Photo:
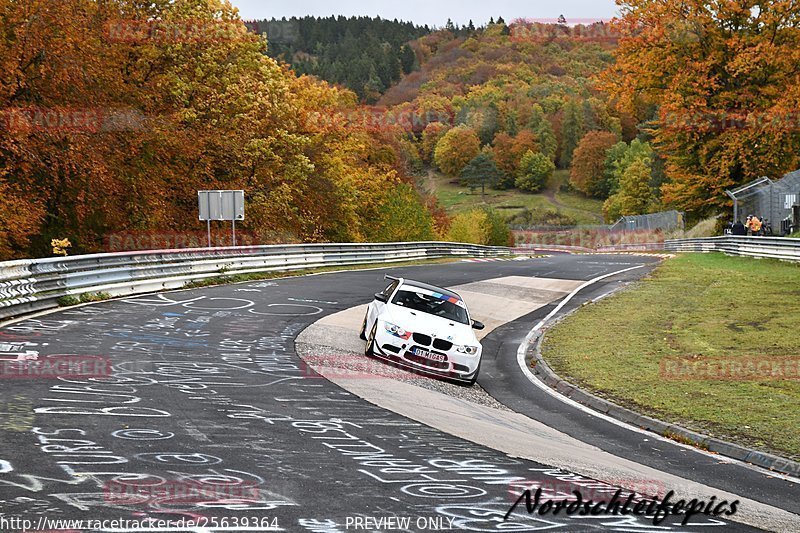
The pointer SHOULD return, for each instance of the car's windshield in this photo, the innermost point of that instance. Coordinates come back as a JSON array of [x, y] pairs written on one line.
[[432, 304]]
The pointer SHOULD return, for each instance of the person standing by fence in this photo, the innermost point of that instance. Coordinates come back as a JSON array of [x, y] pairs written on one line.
[[755, 225]]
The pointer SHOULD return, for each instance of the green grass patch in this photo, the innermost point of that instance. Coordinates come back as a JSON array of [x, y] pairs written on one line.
[[456, 198], [579, 202], [86, 297], [694, 307]]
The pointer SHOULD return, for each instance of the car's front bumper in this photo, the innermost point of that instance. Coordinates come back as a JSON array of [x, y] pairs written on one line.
[[457, 366]]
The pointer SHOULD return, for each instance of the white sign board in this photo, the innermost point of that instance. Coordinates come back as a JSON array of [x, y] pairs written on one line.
[[221, 205]]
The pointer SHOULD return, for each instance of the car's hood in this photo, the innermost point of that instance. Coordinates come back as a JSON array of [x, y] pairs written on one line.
[[438, 327]]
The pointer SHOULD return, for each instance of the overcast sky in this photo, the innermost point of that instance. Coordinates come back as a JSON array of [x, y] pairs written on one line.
[[432, 12]]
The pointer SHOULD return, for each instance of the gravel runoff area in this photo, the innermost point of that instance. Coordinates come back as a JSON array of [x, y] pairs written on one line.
[[349, 363]]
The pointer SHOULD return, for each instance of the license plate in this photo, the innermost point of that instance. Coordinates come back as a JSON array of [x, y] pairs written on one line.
[[428, 355]]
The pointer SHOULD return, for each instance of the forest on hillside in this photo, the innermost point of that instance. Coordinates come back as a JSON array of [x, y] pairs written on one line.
[[114, 115], [365, 54]]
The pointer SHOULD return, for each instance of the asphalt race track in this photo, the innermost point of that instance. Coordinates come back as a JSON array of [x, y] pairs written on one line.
[[207, 389]]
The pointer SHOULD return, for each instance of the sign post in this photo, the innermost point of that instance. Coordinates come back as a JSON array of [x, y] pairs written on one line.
[[221, 205]]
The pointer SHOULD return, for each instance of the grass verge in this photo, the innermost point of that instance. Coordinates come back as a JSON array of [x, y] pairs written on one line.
[[692, 309], [86, 297], [455, 198]]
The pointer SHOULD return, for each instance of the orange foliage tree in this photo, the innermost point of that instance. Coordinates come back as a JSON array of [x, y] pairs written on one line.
[[722, 78], [455, 149], [508, 152], [116, 113], [588, 163]]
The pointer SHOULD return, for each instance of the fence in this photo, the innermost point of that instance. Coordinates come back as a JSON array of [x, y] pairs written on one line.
[[763, 197], [33, 285], [664, 221], [766, 247]]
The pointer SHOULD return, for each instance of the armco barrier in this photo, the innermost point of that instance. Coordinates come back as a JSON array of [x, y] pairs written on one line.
[[32, 285], [766, 247]]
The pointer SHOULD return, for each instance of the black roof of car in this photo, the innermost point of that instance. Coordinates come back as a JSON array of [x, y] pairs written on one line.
[[430, 287]]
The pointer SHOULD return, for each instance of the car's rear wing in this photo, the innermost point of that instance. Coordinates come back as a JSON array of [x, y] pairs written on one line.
[[392, 278]]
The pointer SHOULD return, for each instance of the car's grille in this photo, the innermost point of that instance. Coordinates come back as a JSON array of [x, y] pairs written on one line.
[[390, 348], [422, 340], [460, 368], [427, 362], [443, 345]]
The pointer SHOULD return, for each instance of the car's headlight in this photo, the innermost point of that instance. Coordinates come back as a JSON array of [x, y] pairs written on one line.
[[396, 330], [469, 350]]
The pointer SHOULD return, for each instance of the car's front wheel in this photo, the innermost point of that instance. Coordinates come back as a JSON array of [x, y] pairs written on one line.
[[363, 334], [370, 349], [475, 377]]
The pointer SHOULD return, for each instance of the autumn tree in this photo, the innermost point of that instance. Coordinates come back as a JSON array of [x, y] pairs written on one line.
[[120, 112], [535, 169], [722, 78], [508, 152], [469, 227], [480, 226], [401, 217], [635, 197], [455, 149], [431, 135], [588, 164], [620, 156]]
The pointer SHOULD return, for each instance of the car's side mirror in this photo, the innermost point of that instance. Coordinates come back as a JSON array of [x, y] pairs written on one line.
[[477, 325], [380, 297]]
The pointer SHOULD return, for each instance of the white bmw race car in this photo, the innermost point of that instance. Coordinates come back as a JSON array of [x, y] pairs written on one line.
[[423, 328]]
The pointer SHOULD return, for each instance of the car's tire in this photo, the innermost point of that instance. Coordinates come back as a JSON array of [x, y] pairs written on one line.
[[475, 377], [363, 334], [370, 348]]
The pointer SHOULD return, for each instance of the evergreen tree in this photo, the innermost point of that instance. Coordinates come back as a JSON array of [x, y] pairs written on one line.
[[338, 46], [571, 131], [539, 124], [480, 172], [407, 58]]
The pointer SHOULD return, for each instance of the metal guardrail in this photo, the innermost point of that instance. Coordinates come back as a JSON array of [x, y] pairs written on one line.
[[32, 285], [766, 247]]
